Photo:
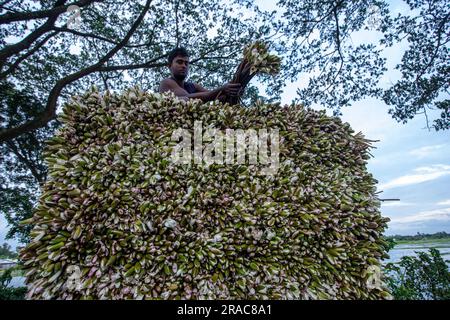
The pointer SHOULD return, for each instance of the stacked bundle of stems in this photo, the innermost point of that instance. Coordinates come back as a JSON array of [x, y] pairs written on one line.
[[256, 60], [119, 219]]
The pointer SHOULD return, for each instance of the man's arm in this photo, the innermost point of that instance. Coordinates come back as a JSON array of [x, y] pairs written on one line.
[[232, 89], [203, 94], [199, 88], [222, 97], [170, 85]]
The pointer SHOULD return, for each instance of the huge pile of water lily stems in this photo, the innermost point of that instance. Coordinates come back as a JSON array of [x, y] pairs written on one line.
[[118, 219]]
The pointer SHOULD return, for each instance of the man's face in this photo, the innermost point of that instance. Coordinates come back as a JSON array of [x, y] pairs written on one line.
[[179, 67]]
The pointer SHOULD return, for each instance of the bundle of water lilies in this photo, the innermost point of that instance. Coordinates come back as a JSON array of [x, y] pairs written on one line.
[[120, 217], [256, 60]]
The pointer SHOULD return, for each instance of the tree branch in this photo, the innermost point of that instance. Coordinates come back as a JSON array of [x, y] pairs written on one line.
[[321, 19], [203, 56], [57, 9], [439, 32], [50, 111], [177, 35], [30, 165], [3, 3], [82, 34], [426, 117], [338, 40], [28, 40], [338, 46], [153, 62], [149, 64], [26, 55]]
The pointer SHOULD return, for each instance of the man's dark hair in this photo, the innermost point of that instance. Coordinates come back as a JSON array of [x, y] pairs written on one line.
[[182, 52]]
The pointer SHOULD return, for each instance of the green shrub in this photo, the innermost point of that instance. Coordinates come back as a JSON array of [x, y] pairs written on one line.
[[8, 293], [425, 277]]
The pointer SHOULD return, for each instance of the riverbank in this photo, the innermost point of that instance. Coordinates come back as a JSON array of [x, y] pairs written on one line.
[[444, 241], [411, 247]]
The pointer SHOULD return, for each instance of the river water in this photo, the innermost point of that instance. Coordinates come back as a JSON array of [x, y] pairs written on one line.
[[17, 282], [401, 250]]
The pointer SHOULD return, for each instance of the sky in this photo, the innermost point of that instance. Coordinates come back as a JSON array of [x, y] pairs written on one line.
[[410, 162]]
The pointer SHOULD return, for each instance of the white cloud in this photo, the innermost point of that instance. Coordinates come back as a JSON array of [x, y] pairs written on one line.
[[426, 151], [439, 215], [397, 204], [444, 203], [422, 174], [433, 168]]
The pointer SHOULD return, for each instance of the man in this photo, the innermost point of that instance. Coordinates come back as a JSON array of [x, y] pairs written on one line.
[[179, 69]]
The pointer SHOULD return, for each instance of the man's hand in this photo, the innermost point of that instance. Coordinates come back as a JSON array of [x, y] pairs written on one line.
[[231, 89]]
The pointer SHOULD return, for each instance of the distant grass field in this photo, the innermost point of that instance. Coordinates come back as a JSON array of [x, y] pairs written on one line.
[[424, 244], [445, 241]]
